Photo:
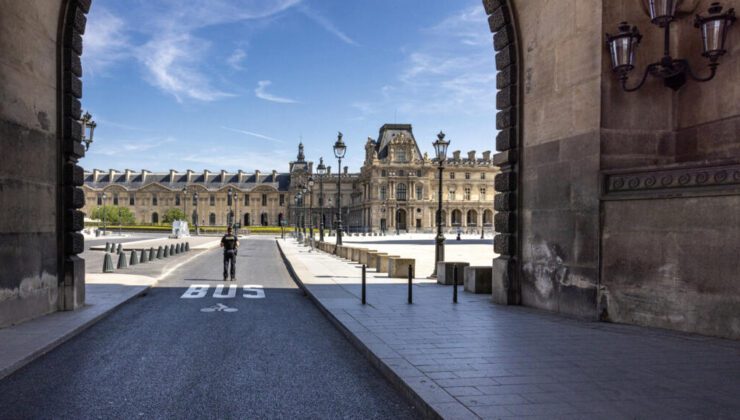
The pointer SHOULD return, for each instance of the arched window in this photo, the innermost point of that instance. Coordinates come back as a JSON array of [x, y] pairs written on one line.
[[456, 217], [154, 200], [487, 217], [401, 192], [212, 219], [155, 218], [472, 218]]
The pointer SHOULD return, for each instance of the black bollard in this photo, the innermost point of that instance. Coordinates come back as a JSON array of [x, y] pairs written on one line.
[[152, 254], [107, 247], [134, 258], [454, 283], [120, 248], [177, 249], [160, 253], [108, 264], [411, 277], [363, 284], [172, 249], [166, 251], [144, 256], [122, 261], [187, 246]]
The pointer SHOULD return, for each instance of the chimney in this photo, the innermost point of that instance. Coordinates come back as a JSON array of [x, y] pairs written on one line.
[[256, 176], [96, 174], [172, 175], [471, 156], [111, 173], [240, 176], [223, 176], [128, 175], [206, 174], [456, 155], [487, 155], [144, 173], [189, 176], [274, 175], [346, 169]]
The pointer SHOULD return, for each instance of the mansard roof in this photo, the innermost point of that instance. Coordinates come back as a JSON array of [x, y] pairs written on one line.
[[390, 131], [178, 180]]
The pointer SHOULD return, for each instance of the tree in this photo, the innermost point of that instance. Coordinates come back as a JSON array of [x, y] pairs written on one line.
[[114, 215], [173, 214]]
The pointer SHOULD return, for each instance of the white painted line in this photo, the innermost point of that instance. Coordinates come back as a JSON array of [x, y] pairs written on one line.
[[253, 291]]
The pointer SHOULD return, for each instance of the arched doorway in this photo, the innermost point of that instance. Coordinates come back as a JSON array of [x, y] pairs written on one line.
[[247, 220], [212, 219], [401, 219], [487, 218], [264, 219], [155, 218]]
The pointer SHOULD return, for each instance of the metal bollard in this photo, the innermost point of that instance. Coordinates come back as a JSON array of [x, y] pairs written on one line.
[[144, 256], [152, 254], [454, 283], [134, 258], [107, 247], [122, 263], [120, 248], [363, 284], [411, 277], [108, 264]]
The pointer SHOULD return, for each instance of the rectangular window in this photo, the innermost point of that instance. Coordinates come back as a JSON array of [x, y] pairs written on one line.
[[467, 194], [177, 199], [418, 172], [482, 175], [115, 199], [401, 172], [195, 200], [154, 200], [419, 191], [482, 194], [467, 175], [282, 200], [383, 192], [451, 196], [212, 200], [131, 200], [100, 200], [383, 173], [452, 175], [264, 200], [401, 155], [246, 199]]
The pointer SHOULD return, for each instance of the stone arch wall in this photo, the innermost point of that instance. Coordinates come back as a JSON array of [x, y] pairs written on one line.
[[506, 267]]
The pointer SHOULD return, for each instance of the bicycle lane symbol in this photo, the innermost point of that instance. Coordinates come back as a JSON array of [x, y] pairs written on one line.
[[219, 307]]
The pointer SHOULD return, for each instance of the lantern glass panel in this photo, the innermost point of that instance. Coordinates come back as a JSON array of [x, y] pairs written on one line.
[[662, 11], [623, 53], [712, 32]]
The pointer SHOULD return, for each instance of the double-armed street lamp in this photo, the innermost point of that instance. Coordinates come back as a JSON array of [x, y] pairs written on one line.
[[321, 170], [304, 191], [185, 203], [440, 148], [88, 129], [310, 207], [197, 228], [298, 203], [104, 212], [339, 150]]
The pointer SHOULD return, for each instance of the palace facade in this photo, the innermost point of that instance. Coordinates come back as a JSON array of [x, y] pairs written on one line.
[[395, 190]]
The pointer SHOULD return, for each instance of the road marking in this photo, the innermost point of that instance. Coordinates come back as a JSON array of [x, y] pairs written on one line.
[[199, 291], [219, 307]]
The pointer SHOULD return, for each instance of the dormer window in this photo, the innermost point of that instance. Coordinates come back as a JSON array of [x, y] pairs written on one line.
[[401, 155]]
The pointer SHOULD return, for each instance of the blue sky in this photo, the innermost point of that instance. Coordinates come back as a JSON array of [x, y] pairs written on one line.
[[234, 84]]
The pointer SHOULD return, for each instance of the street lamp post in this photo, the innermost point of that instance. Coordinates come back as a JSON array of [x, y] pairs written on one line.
[[104, 213], [321, 170], [298, 203], [197, 228], [339, 150], [231, 207], [310, 207], [440, 148], [185, 203], [234, 221]]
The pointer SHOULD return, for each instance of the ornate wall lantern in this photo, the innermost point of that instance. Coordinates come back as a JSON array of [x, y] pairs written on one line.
[[673, 71]]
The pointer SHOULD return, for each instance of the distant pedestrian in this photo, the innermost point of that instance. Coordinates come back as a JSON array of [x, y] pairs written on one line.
[[230, 244]]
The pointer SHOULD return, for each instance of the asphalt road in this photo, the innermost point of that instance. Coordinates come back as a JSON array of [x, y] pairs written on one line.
[[161, 356]]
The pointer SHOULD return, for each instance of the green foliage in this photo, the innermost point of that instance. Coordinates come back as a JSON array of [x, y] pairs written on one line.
[[173, 214], [114, 215]]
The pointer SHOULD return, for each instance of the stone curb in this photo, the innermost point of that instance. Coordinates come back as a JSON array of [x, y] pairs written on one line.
[[405, 389]]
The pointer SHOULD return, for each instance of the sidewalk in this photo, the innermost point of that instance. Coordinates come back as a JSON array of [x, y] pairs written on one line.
[[480, 360], [21, 344]]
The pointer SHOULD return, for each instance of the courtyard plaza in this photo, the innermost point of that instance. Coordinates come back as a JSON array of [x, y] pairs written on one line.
[[475, 359]]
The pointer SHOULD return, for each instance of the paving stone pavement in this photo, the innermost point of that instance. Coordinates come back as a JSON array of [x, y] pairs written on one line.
[[475, 359]]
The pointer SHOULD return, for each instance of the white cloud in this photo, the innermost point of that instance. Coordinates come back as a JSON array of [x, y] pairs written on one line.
[[236, 59], [327, 25], [105, 41], [253, 134], [261, 92], [230, 160], [171, 60]]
